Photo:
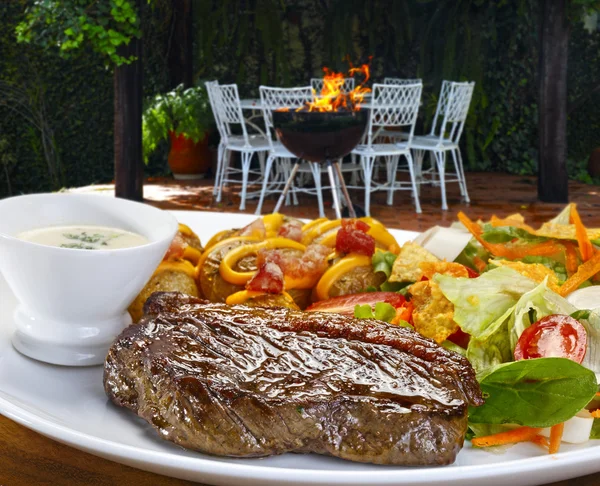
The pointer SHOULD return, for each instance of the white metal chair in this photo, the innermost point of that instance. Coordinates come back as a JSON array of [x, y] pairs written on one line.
[[401, 81], [398, 106], [446, 130], [229, 113], [291, 98], [318, 83]]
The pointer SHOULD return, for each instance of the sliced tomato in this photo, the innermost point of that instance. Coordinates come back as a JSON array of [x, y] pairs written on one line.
[[557, 335], [344, 304]]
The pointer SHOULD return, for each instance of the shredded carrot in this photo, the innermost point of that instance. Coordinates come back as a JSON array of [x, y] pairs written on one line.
[[571, 260], [521, 434], [585, 245], [512, 252], [556, 433], [595, 413], [479, 263], [541, 441], [585, 271]]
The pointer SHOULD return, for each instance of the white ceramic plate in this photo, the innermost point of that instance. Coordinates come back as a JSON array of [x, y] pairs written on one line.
[[69, 405]]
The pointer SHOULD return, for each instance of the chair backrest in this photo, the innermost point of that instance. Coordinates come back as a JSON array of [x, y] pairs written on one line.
[[318, 83], [212, 95], [401, 81], [452, 110], [394, 105], [275, 98], [227, 99]]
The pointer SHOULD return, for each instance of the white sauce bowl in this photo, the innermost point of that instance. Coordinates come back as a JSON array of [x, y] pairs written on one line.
[[73, 303]]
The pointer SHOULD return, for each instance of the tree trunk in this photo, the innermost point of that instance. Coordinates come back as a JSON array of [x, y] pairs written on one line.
[[553, 180], [180, 54], [129, 164]]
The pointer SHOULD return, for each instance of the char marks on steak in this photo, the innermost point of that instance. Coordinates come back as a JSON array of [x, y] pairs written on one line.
[[250, 382]]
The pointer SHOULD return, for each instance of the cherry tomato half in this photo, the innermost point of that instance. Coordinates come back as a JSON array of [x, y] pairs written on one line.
[[558, 336], [344, 304]]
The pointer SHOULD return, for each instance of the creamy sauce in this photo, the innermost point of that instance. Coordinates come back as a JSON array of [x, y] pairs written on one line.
[[84, 237]]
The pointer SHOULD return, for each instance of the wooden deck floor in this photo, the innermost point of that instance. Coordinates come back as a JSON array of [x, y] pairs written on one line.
[[491, 193]]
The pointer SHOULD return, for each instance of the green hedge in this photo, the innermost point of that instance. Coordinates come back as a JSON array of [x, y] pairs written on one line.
[[286, 43]]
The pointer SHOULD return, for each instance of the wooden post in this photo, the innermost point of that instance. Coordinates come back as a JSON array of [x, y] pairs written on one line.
[[553, 180], [129, 164], [181, 51]]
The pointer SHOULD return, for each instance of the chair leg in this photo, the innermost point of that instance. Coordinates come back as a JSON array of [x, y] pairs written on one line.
[[220, 152], [413, 180], [246, 158], [461, 185], [367, 163], [265, 183], [316, 172], [462, 175], [440, 158], [261, 162], [223, 172], [392, 168]]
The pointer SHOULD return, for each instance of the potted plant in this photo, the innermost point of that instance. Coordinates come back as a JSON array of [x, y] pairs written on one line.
[[185, 117]]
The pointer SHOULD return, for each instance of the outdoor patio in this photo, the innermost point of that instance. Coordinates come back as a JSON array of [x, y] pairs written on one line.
[[518, 195]]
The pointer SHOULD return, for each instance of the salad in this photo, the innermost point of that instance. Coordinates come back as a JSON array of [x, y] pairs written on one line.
[[522, 304]]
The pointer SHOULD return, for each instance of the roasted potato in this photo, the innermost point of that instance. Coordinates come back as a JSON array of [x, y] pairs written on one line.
[[163, 281]]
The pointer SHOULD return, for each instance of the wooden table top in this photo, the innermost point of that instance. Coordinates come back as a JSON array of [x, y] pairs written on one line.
[[30, 459]]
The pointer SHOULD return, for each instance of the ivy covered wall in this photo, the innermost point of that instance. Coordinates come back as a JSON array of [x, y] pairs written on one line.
[[69, 140]]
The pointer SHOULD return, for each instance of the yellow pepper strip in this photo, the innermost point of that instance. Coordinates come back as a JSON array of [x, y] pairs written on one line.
[[334, 272], [231, 258], [312, 224], [192, 254], [183, 266], [220, 244], [272, 224], [315, 232], [184, 229], [306, 282], [215, 239], [243, 296]]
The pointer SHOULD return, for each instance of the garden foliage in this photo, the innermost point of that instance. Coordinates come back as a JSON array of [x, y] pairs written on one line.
[[56, 130]]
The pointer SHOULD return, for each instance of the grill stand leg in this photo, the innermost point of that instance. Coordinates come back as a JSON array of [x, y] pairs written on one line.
[[286, 189], [349, 204], [334, 193]]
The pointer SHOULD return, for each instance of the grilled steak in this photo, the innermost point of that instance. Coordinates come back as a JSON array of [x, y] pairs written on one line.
[[250, 382]]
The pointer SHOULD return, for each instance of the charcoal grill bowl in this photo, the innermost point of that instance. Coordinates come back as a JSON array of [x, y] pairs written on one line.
[[319, 136]]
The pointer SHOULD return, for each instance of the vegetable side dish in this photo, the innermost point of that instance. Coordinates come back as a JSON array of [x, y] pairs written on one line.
[[522, 305]]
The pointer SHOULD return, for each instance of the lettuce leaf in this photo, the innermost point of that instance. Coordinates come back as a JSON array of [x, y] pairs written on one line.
[[493, 347], [504, 234], [480, 302], [532, 306]]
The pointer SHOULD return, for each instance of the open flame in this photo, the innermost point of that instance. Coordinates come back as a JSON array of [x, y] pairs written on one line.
[[333, 97]]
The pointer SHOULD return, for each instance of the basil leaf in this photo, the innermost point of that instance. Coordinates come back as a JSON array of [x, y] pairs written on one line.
[[535, 392], [383, 261], [581, 314]]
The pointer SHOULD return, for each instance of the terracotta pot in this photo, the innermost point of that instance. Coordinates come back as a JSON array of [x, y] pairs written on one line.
[[188, 160]]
